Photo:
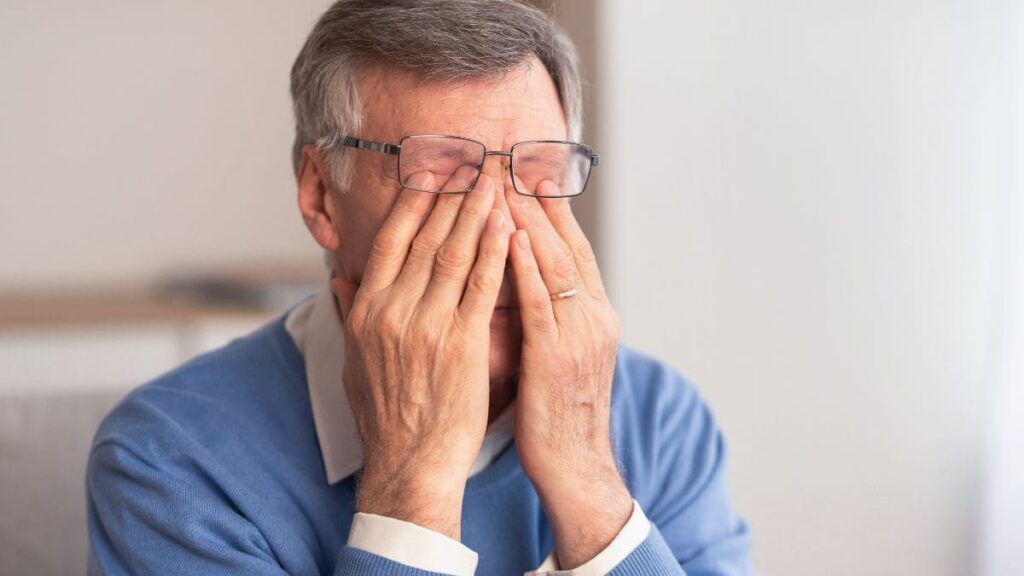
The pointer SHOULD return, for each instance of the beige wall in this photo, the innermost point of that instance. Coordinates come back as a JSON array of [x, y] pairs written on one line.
[[139, 137]]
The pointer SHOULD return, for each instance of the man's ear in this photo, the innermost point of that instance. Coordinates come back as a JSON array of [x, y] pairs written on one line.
[[317, 202]]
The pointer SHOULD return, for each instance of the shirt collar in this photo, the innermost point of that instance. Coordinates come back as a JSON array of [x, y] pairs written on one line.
[[315, 326]]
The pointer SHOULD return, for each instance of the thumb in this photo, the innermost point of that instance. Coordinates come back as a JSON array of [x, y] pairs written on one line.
[[345, 291]]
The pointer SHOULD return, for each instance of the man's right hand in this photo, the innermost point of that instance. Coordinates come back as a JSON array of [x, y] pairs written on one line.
[[417, 348]]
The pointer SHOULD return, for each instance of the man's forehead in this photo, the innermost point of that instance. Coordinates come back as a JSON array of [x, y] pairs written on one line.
[[521, 103]]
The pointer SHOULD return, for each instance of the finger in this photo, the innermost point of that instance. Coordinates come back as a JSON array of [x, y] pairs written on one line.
[[535, 309], [391, 244], [456, 255], [345, 292], [485, 280], [555, 261], [418, 266], [564, 221]]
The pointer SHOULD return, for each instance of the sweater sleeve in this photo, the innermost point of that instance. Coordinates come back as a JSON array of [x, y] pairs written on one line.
[[676, 455], [146, 520], [700, 534], [691, 514]]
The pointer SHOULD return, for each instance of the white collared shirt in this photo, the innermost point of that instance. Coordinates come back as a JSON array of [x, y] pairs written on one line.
[[316, 329]]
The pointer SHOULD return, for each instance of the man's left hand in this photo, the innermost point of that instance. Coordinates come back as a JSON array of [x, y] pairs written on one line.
[[563, 405]]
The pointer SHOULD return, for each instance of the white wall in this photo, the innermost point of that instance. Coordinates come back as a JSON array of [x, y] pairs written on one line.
[[137, 136], [803, 211], [1002, 530]]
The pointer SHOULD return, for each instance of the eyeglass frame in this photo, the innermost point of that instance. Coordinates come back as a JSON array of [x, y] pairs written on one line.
[[396, 150]]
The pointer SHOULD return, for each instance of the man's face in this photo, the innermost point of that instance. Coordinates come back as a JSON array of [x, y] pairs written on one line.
[[499, 111]]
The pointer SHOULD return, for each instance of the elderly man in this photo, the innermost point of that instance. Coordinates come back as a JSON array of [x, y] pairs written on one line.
[[456, 400]]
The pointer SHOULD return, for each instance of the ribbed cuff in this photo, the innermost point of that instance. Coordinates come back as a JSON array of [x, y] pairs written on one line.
[[652, 557], [355, 561]]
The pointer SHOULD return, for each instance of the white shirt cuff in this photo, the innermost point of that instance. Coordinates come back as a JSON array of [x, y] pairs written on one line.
[[411, 544], [628, 539]]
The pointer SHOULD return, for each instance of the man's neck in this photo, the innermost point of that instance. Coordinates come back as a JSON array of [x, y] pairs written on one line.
[[503, 393]]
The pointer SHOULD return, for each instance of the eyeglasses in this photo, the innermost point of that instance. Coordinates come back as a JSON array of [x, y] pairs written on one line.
[[452, 164]]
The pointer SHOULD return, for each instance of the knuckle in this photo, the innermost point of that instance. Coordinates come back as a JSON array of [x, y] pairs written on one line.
[[585, 252], [564, 266], [423, 246], [451, 257], [458, 341], [385, 244], [448, 201], [461, 326], [538, 301], [421, 337], [389, 326], [408, 209], [483, 283], [472, 210]]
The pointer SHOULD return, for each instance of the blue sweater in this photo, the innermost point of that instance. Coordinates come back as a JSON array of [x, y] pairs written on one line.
[[215, 468]]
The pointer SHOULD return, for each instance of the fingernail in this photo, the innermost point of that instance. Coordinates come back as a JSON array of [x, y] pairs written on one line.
[[497, 219], [524, 240], [420, 180]]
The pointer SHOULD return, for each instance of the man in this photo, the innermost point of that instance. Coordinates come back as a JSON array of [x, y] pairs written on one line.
[[456, 400]]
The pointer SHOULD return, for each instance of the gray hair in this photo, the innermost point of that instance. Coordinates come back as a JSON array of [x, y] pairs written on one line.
[[446, 40]]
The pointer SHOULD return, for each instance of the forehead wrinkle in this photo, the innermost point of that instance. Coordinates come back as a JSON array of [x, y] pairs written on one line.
[[498, 126], [491, 109]]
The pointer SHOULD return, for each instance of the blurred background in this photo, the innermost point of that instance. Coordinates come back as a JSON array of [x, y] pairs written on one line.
[[813, 209]]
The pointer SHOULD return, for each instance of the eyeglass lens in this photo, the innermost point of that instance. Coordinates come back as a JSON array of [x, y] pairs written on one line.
[[444, 164]]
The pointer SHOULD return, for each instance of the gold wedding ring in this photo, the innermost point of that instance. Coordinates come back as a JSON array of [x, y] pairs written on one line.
[[563, 295]]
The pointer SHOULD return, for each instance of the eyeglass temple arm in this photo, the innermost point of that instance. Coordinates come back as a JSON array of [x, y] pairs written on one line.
[[370, 145], [331, 141]]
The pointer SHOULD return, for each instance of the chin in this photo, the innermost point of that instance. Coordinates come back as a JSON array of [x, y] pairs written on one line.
[[506, 349]]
